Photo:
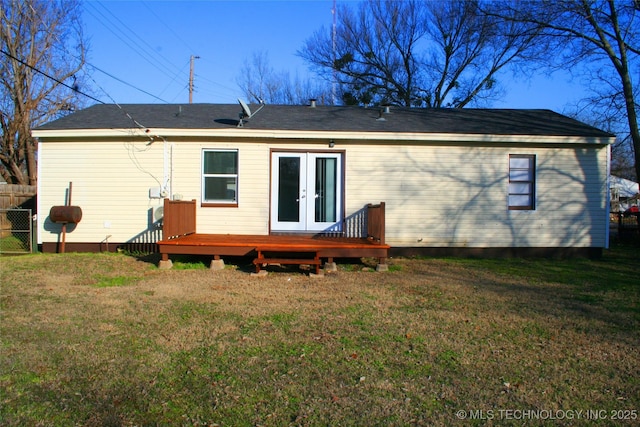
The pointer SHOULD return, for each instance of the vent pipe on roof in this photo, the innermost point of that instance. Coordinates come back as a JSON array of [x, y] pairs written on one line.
[[386, 109], [313, 103]]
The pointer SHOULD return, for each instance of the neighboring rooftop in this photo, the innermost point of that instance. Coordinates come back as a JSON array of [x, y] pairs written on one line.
[[327, 118]]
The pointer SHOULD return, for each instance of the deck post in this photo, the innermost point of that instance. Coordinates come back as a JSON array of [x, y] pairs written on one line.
[[375, 222], [376, 229], [165, 264], [217, 263], [382, 265], [179, 218], [330, 266]]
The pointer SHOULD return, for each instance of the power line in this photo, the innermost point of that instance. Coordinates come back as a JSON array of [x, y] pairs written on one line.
[[206, 91], [67, 52], [125, 83], [168, 27], [118, 105], [73, 88], [176, 35], [135, 42], [126, 39], [216, 83], [174, 78], [134, 46], [184, 88], [138, 45]]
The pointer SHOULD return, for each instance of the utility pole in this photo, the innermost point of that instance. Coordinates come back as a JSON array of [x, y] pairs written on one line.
[[191, 78]]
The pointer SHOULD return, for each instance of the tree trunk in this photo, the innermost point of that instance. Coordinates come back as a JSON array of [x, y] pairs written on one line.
[[633, 122]]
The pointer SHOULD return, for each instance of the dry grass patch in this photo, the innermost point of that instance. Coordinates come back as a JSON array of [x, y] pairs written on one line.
[[110, 340]]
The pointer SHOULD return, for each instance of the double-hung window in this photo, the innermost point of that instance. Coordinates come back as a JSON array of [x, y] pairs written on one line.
[[219, 177], [522, 173]]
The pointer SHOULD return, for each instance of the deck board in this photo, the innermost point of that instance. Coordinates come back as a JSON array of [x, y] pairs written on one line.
[[245, 245]]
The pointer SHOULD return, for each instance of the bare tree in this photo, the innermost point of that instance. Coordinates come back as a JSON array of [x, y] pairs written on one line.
[[42, 48], [418, 53], [261, 82], [373, 54], [599, 40], [471, 48]]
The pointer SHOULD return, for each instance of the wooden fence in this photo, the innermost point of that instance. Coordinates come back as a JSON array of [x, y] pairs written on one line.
[[13, 195], [626, 227]]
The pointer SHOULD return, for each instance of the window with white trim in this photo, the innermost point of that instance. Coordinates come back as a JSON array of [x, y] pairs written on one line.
[[522, 185], [219, 177]]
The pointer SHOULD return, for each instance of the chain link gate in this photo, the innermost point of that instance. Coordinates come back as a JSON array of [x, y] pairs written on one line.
[[16, 231]]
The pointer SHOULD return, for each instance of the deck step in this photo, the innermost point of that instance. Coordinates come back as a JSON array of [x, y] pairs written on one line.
[[262, 259], [287, 261]]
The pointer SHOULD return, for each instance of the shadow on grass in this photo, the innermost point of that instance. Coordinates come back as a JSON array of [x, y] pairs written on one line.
[[606, 290]]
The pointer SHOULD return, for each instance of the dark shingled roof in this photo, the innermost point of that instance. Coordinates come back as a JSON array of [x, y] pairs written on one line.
[[327, 118]]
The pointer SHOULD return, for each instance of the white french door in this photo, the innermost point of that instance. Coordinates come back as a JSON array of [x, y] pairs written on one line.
[[306, 191]]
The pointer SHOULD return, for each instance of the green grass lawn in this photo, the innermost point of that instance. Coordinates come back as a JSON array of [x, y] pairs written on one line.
[[12, 244], [109, 340]]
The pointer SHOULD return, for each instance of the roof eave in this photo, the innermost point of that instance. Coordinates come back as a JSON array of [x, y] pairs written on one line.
[[44, 134]]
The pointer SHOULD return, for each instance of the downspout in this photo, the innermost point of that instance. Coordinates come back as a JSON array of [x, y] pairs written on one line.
[[171, 169], [166, 174], [165, 189], [38, 239], [608, 199]]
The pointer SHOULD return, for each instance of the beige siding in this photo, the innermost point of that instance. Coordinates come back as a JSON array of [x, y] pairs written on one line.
[[111, 184], [457, 196], [252, 214], [436, 196]]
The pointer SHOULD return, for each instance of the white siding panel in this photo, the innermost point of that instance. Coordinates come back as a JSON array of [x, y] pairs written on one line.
[[252, 213], [436, 196], [457, 196], [110, 182]]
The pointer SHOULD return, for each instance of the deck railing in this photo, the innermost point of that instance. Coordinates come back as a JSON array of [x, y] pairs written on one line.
[[179, 218], [375, 222]]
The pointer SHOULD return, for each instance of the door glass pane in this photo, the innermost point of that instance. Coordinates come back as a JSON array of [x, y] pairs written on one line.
[[325, 197], [289, 189]]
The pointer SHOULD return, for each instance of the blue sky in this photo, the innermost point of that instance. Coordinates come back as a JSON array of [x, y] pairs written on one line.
[[148, 45]]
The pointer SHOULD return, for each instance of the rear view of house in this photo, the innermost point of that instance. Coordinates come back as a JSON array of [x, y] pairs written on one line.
[[463, 181]]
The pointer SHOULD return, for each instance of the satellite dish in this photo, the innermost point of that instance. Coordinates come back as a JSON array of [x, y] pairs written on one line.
[[246, 111], [245, 108], [158, 214]]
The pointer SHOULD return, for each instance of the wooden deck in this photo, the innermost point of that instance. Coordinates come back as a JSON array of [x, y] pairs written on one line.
[[179, 237], [248, 245], [274, 249]]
